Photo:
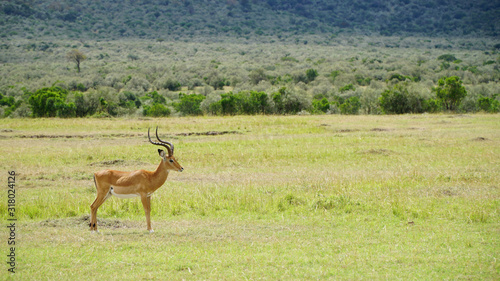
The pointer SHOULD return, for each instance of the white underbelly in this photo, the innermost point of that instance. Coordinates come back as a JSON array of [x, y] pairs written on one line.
[[123, 196]]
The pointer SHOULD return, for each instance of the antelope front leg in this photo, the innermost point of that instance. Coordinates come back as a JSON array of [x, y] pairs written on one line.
[[101, 197], [146, 203]]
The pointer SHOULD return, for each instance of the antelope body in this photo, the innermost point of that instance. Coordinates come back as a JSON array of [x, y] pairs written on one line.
[[140, 183]]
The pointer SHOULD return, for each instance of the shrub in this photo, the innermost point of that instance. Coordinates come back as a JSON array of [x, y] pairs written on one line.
[[157, 98], [287, 102], [228, 104], [129, 100], [156, 110], [487, 104], [311, 74], [348, 87], [257, 75], [66, 110], [399, 101], [321, 105], [171, 84], [50, 102], [253, 102], [450, 91], [10, 103], [432, 105], [106, 108], [334, 74], [362, 81], [189, 104], [350, 106], [447, 57], [400, 77]]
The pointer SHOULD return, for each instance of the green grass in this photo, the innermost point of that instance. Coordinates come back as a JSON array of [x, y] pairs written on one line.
[[287, 197]]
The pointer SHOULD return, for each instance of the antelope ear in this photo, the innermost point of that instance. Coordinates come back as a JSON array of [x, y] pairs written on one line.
[[162, 153]]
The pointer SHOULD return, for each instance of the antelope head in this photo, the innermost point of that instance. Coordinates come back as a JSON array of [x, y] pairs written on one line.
[[168, 160]]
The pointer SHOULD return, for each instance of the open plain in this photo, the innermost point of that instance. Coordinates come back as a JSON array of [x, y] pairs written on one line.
[[261, 197]]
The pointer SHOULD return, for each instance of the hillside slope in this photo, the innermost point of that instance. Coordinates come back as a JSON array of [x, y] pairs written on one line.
[[188, 19]]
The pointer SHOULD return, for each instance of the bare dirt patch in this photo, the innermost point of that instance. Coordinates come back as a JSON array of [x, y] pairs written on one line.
[[209, 133], [379, 151], [380, 130], [43, 136], [347, 130], [84, 221]]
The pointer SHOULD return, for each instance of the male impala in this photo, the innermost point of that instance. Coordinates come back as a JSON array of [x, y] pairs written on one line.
[[132, 184]]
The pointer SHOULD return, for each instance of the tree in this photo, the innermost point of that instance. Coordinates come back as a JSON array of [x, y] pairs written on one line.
[[348, 87], [489, 104], [257, 75], [311, 74], [350, 106], [77, 57], [321, 105], [156, 110], [50, 102], [189, 104], [399, 101], [157, 98], [450, 91], [447, 57]]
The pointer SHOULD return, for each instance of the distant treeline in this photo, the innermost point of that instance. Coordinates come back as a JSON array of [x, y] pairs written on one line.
[[57, 101], [181, 19]]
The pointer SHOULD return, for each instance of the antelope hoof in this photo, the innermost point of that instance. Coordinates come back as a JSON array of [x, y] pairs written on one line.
[[151, 231]]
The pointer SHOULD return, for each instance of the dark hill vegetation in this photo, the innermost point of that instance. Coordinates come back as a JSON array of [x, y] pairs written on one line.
[[184, 19], [76, 58]]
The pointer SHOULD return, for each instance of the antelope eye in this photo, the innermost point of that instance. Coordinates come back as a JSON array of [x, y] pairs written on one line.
[[171, 160]]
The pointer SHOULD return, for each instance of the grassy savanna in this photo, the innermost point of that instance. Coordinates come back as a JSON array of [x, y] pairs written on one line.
[[268, 197]]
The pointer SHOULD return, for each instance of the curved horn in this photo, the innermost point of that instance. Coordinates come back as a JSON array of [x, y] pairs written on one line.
[[165, 142], [170, 151]]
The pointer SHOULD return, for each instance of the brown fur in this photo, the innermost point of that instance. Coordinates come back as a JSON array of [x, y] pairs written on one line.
[[140, 182]]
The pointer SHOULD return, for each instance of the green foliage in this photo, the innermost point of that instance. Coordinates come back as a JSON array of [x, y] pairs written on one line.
[[447, 57], [362, 81], [334, 74], [129, 100], [261, 82], [156, 110], [450, 91], [171, 84], [348, 87], [66, 110], [106, 108], [399, 101], [350, 106], [242, 103], [321, 105], [253, 103], [9, 104], [287, 102], [229, 104], [488, 104], [249, 19], [189, 104], [311, 74], [257, 75], [50, 102], [400, 77], [157, 98], [432, 105]]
